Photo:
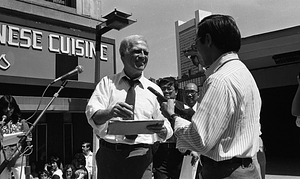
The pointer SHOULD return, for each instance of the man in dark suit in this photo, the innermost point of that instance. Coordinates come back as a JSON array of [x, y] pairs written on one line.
[[168, 159]]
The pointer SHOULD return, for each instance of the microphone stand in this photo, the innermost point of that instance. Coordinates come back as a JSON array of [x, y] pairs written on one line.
[[23, 138]]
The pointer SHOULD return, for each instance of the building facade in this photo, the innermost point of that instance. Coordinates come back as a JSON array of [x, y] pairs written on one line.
[[41, 40], [185, 36]]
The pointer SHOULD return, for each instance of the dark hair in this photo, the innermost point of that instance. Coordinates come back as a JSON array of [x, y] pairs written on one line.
[[223, 30], [55, 159], [79, 159], [66, 168], [87, 144], [44, 172], [9, 101], [168, 81]]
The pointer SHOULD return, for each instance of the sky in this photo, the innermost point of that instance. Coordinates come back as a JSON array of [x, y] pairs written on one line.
[[156, 21]]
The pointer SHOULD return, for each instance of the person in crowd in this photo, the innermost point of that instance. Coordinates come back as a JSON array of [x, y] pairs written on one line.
[[125, 96], [86, 150], [69, 172], [167, 160], [225, 127], [191, 96], [44, 174], [12, 123], [79, 164], [192, 99], [56, 172]]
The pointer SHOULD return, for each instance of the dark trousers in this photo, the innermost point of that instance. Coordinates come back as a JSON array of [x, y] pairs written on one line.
[[133, 163], [229, 169], [167, 162]]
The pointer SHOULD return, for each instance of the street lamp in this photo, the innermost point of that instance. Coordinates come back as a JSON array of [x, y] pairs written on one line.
[[115, 20]]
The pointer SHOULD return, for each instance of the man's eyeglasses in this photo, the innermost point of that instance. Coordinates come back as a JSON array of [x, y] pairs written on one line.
[[196, 40], [167, 89], [192, 92]]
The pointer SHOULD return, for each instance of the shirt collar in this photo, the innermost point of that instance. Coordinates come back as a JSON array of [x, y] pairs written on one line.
[[220, 61], [140, 78]]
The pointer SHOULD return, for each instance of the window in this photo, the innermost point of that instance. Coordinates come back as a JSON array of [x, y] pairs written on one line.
[[69, 3]]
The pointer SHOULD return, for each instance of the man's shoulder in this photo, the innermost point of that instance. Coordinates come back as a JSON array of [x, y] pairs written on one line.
[[113, 78]]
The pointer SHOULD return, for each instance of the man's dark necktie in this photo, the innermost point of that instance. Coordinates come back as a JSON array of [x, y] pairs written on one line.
[[130, 99]]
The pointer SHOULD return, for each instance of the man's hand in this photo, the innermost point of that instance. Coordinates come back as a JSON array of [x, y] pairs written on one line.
[[122, 110], [159, 129], [167, 108], [195, 157]]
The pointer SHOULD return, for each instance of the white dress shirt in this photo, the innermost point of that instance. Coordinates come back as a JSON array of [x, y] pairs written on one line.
[[89, 163], [113, 89]]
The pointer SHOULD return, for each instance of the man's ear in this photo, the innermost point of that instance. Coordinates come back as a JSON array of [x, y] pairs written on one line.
[[122, 57], [208, 39]]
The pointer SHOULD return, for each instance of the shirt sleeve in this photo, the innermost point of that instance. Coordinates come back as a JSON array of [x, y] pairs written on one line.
[[209, 122], [99, 100], [167, 124], [158, 115]]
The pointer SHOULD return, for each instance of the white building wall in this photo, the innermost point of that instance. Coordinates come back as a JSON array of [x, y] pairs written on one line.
[[87, 12], [185, 36]]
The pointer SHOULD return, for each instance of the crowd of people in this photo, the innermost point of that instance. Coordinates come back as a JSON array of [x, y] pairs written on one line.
[[79, 168]]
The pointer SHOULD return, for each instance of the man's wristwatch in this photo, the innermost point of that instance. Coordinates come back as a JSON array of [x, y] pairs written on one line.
[[173, 116]]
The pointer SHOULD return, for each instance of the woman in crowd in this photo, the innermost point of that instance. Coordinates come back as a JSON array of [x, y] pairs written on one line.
[[69, 172], [55, 170], [44, 175], [12, 123], [79, 164]]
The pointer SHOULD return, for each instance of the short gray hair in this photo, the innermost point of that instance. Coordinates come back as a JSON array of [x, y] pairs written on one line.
[[126, 43]]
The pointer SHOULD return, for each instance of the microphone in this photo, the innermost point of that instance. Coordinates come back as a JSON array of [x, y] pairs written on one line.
[[78, 69], [186, 113], [157, 94], [4, 117]]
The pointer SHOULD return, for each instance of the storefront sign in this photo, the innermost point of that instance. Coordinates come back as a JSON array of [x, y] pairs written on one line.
[[32, 39], [33, 52]]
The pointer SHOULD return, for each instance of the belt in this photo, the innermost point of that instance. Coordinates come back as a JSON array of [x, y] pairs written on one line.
[[120, 146], [168, 145], [245, 162]]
